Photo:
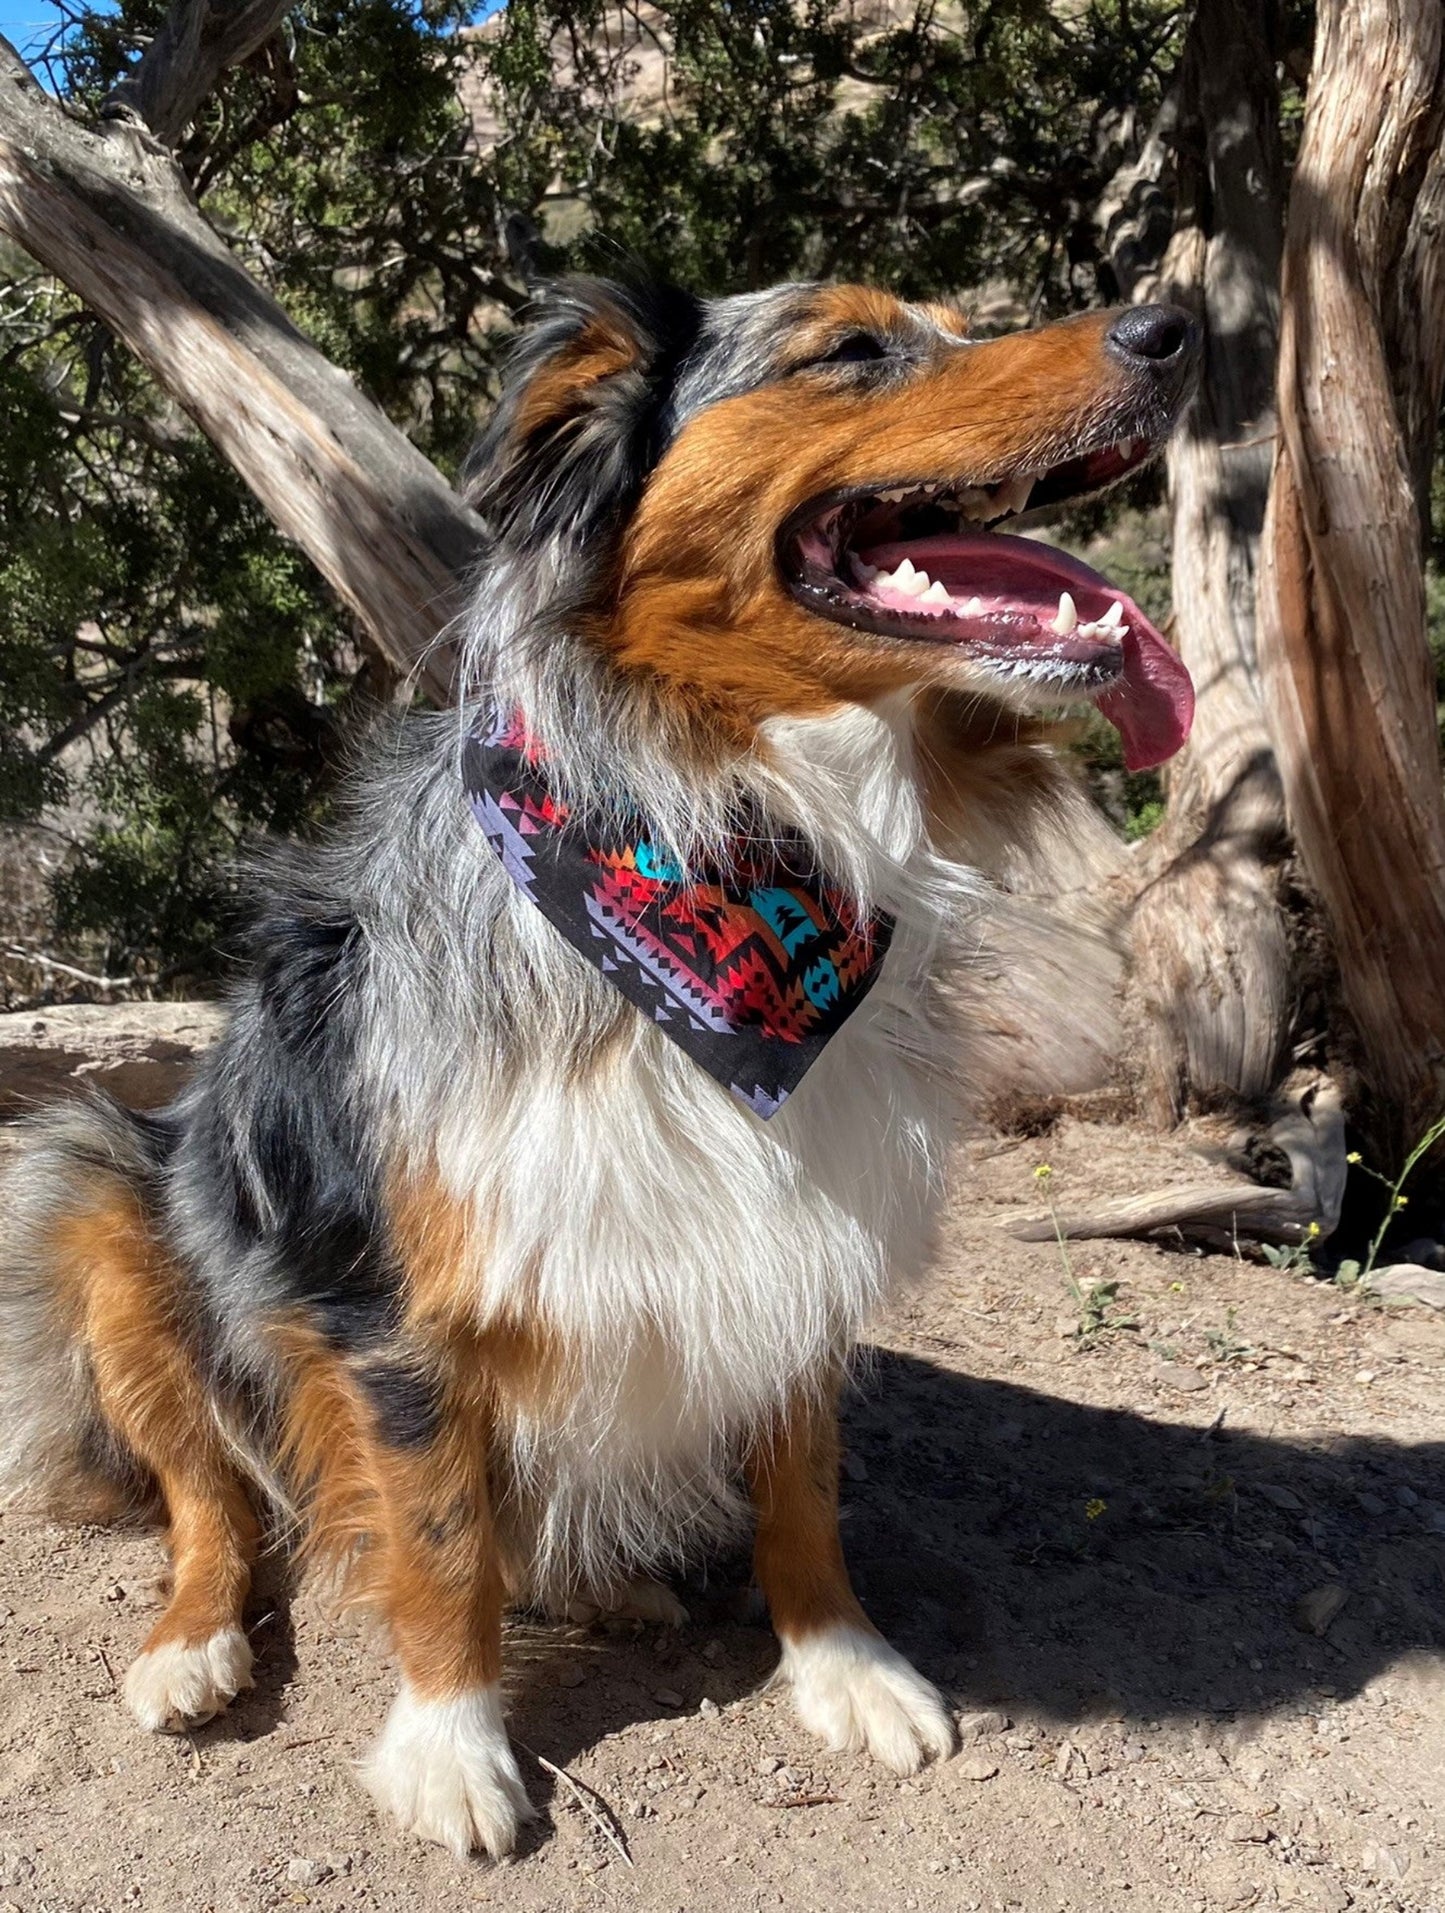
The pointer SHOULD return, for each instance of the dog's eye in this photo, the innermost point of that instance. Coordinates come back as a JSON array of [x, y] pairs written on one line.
[[857, 348]]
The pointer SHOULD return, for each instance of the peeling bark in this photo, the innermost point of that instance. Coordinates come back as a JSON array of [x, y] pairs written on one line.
[[1349, 686], [1211, 949]]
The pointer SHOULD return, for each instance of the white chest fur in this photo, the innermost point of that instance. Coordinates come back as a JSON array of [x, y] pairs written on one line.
[[698, 1264]]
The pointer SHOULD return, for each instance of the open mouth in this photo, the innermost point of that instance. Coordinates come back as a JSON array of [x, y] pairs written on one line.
[[923, 561]]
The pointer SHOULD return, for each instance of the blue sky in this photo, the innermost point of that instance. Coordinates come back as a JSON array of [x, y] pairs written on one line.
[[27, 24]]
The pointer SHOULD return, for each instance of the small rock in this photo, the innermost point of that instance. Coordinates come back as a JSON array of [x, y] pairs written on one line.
[[713, 1653], [115, 1592], [769, 1764], [854, 1467], [708, 1709], [303, 1871], [1407, 1497], [667, 1697], [1186, 1380], [1408, 1282], [982, 1725], [1279, 1497], [1317, 1609], [1372, 1504], [569, 1674], [1069, 1763], [1243, 1828], [1386, 1863], [976, 1768]]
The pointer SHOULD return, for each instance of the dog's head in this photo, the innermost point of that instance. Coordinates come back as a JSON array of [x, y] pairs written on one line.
[[780, 501]]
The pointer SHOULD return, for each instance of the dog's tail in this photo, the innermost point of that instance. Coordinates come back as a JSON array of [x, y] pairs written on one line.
[[80, 1165]]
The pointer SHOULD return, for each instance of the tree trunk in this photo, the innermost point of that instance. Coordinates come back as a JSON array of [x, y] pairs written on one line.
[[1350, 694], [107, 210], [1211, 950]]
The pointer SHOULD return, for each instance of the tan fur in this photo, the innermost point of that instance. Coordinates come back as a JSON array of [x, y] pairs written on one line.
[[149, 1391], [409, 1529], [797, 1555], [982, 774]]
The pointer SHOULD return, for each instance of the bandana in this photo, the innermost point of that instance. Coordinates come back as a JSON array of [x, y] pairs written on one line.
[[750, 964]]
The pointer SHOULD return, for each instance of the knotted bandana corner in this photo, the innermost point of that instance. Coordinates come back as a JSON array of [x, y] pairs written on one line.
[[751, 964]]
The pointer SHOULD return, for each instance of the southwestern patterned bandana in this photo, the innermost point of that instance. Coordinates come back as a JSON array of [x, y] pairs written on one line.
[[750, 966]]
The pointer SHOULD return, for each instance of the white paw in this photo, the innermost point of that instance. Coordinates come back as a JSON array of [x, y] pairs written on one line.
[[857, 1693], [444, 1768], [175, 1686]]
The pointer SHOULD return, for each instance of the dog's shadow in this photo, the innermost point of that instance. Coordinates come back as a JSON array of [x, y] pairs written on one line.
[[1068, 1562], [1038, 1555]]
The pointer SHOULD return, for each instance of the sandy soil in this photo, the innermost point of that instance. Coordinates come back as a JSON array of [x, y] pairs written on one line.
[[1099, 1547]]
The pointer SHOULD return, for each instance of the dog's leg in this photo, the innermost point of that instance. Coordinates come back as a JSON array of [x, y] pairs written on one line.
[[443, 1764], [149, 1392], [850, 1687]]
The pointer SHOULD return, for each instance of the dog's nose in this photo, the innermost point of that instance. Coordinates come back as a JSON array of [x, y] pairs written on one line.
[[1161, 338]]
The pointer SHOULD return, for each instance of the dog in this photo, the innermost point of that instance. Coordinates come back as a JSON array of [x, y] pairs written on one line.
[[592, 1084]]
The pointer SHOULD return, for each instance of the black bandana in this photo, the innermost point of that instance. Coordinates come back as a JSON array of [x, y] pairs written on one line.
[[750, 965]]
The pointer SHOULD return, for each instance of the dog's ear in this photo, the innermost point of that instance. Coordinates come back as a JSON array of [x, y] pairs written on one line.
[[582, 414]]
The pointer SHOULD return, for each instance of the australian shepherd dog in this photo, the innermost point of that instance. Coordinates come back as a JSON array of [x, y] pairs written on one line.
[[592, 1084]]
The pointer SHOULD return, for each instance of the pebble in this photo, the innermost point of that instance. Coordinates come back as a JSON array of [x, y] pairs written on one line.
[[115, 1592], [976, 1768], [854, 1467], [1407, 1497], [769, 1764], [303, 1871], [1317, 1609], [1279, 1497], [569, 1674], [1372, 1504], [1386, 1863], [982, 1725], [713, 1653], [708, 1709], [1186, 1380], [667, 1697], [1243, 1829]]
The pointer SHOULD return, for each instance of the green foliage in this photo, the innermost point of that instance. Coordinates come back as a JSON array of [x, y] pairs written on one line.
[[173, 675]]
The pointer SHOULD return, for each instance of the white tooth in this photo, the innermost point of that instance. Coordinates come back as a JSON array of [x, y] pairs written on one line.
[[882, 578], [915, 585], [974, 607], [937, 593], [1068, 615], [1087, 630], [1014, 495], [1114, 615]]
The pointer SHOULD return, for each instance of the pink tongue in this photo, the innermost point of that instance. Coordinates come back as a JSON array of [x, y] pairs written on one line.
[[1152, 708], [1019, 581]]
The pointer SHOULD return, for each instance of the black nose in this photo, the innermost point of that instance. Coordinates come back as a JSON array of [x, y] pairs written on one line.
[[1163, 336]]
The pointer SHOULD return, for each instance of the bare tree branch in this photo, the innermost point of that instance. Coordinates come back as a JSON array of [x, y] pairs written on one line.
[[106, 210], [178, 70]]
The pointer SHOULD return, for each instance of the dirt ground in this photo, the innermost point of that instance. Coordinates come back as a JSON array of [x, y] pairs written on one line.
[[1116, 1554]]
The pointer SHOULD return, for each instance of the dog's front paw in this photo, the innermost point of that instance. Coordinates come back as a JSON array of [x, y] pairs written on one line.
[[179, 1684], [445, 1769], [856, 1693]]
